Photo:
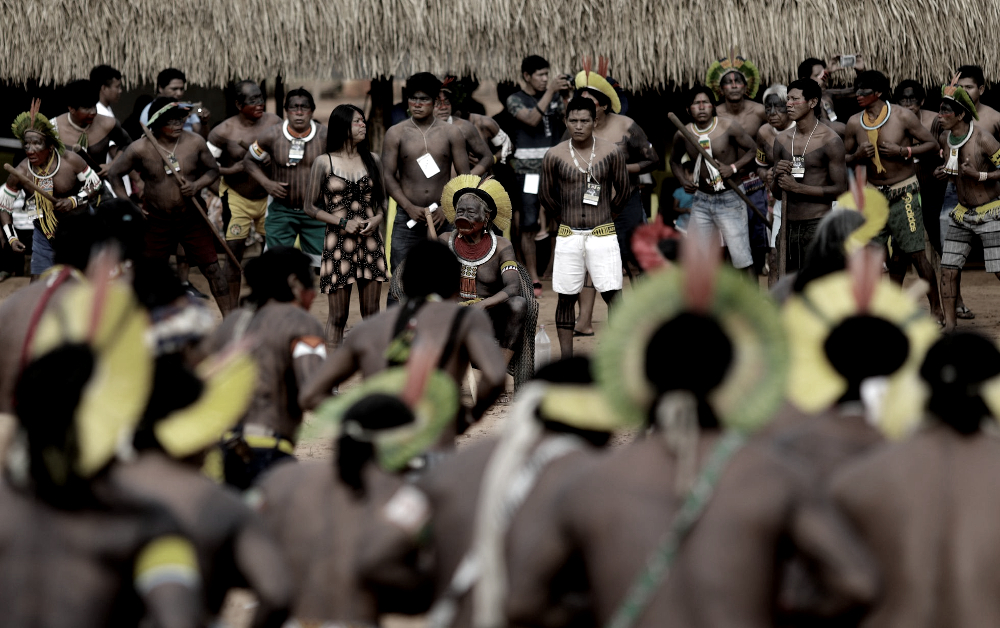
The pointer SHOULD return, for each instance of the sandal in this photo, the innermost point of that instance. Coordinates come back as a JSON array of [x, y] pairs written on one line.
[[538, 289], [964, 313]]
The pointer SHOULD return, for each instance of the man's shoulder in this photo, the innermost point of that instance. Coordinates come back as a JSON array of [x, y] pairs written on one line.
[[190, 136], [74, 161]]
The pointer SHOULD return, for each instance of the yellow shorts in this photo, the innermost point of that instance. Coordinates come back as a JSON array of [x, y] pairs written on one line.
[[244, 213]]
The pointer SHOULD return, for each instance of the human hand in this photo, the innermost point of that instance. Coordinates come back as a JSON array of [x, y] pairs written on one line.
[[940, 173], [187, 188], [788, 183], [64, 205], [558, 84], [867, 150], [276, 189], [372, 225], [888, 148], [353, 226], [966, 170], [204, 113], [439, 220], [17, 246], [782, 167]]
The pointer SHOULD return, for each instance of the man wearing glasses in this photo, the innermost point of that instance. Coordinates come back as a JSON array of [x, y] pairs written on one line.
[[885, 139], [280, 161], [243, 195], [809, 168], [417, 157]]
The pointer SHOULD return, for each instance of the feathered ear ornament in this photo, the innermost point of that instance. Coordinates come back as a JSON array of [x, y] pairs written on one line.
[[701, 258], [36, 104]]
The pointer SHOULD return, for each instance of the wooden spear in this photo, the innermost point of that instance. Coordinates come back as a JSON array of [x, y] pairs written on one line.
[[28, 184]]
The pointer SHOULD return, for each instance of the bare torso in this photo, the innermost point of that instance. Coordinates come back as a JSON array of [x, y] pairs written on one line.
[[438, 140], [977, 151], [101, 132], [233, 136], [822, 153], [563, 184], [901, 128], [750, 115], [162, 194]]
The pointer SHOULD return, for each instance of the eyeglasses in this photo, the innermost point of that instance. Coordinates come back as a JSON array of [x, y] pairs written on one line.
[[423, 100], [298, 108]]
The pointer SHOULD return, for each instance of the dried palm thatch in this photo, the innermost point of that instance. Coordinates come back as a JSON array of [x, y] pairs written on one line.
[[651, 42]]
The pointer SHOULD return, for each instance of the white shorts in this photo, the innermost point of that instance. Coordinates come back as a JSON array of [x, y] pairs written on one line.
[[580, 253]]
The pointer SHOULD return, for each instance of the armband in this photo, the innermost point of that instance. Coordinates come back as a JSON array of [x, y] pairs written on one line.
[[7, 199], [91, 180], [166, 560], [995, 158], [509, 265], [499, 138], [215, 150], [761, 159], [308, 345], [76, 203], [255, 151], [10, 232]]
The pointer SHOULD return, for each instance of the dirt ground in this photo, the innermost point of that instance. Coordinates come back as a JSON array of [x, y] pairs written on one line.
[[979, 290]]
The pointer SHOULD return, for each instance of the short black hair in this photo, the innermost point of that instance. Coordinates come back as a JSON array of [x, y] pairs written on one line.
[[918, 90], [532, 64], [159, 103], [301, 92], [170, 74], [874, 80], [238, 89], [102, 75], [423, 82], [810, 88], [954, 367], [699, 89], [267, 274], [806, 67], [431, 268], [957, 107], [82, 94], [579, 103], [973, 72]]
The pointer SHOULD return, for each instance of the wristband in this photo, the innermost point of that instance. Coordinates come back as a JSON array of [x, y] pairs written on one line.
[[909, 152], [733, 166], [343, 223], [73, 200], [983, 176]]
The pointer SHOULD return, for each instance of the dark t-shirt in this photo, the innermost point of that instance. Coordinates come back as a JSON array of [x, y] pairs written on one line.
[[533, 141]]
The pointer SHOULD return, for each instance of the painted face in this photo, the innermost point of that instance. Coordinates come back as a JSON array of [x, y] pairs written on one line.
[[969, 85], [36, 149], [82, 116], [421, 105], [701, 109], [909, 100], [442, 108], [866, 96], [299, 113], [471, 215], [359, 128], [776, 111], [948, 117], [251, 102], [819, 75], [112, 93], [797, 105], [174, 89], [539, 81], [580, 124], [734, 86], [172, 128], [589, 95]]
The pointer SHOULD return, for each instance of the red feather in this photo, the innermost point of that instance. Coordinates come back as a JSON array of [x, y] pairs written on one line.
[[36, 104], [865, 266], [588, 63], [602, 67]]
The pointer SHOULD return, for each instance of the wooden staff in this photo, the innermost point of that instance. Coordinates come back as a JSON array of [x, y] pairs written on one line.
[[28, 184], [431, 231], [179, 180], [782, 243], [690, 137]]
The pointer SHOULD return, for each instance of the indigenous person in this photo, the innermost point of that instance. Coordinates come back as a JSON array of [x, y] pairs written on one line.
[[663, 526], [489, 277], [418, 155], [73, 551], [347, 192], [289, 349], [825, 254], [479, 150], [186, 415], [817, 70], [734, 81], [109, 81], [171, 83], [65, 176], [82, 127], [812, 179], [170, 217], [885, 139], [911, 94], [428, 320], [934, 484], [241, 193], [538, 110], [970, 78], [320, 515], [973, 156], [610, 125], [450, 107], [280, 161], [714, 205], [776, 109], [584, 188], [471, 511]]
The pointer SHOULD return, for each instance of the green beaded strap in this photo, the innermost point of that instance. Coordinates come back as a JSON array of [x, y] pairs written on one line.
[[659, 563]]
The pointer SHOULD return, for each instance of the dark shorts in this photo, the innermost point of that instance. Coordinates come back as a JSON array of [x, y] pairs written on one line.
[[284, 223], [243, 464], [529, 207], [906, 220], [800, 235], [507, 331], [187, 228], [631, 217]]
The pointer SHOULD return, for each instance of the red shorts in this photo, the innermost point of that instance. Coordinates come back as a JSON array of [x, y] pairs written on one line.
[[186, 228]]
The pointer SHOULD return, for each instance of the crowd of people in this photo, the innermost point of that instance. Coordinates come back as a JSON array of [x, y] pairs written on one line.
[[773, 437]]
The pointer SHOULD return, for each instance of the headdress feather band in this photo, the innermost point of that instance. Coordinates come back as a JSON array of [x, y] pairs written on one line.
[[953, 91], [733, 63], [32, 120], [488, 189], [588, 79]]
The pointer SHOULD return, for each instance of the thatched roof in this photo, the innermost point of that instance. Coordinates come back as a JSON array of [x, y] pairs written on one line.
[[650, 42]]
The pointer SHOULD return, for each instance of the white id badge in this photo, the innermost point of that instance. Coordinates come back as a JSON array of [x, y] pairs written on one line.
[[592, 194], [531, 182], [296, 152], [428, 165]]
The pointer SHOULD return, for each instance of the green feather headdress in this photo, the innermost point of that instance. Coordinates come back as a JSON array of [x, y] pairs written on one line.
[[952, 91], [733, 63], [31, 120]]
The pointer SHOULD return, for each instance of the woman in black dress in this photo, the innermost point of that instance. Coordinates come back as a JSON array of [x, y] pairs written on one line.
[[348, 194]]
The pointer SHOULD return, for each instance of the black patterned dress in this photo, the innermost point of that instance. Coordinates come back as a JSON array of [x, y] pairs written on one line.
[[349, 257]]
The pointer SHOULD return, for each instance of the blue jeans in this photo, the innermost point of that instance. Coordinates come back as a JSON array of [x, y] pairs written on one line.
[[42, 255], [725, 212]]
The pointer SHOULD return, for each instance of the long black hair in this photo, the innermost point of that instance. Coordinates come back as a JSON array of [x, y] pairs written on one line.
[[375, 412], [339, 130]]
